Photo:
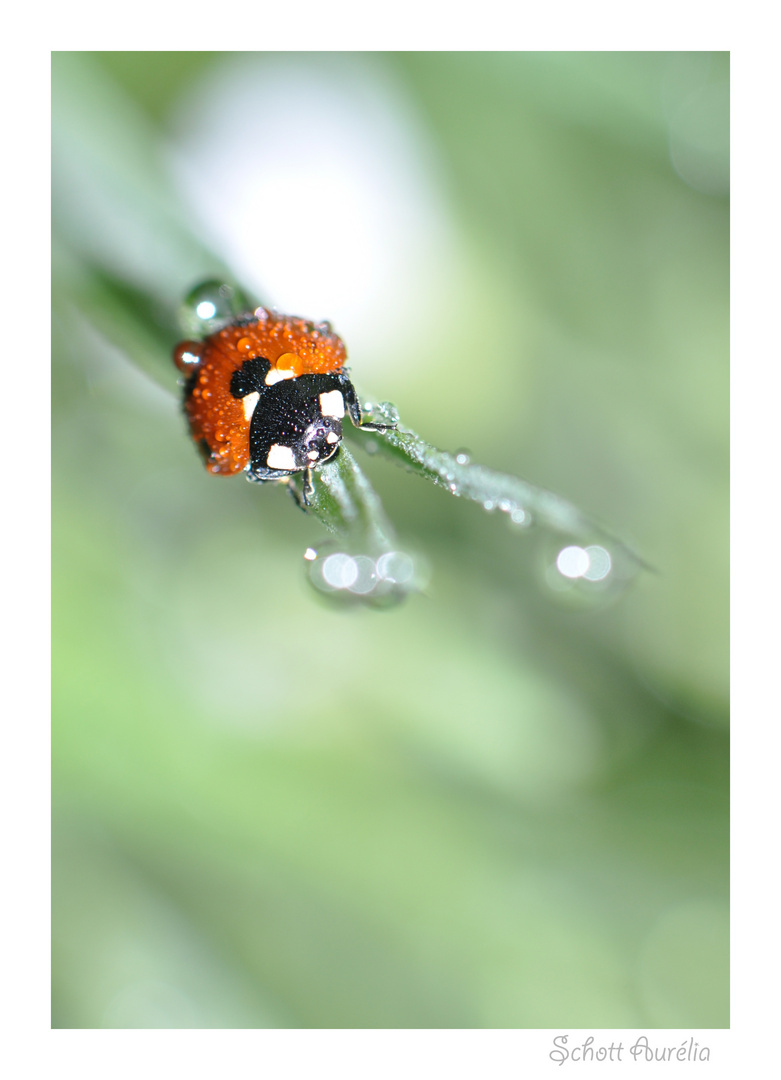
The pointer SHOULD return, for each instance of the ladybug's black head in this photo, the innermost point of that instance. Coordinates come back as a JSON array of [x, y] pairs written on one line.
[[321, 439]]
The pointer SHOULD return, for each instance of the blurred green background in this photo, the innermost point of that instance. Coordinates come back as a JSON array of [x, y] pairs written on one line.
[[486, 807]]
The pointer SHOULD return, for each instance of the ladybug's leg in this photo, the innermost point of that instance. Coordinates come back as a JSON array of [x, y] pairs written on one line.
[[309, 488], [296, 496], [354, 406]]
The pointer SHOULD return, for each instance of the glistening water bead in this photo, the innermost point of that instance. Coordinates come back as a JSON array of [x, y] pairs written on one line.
[[592, 563], [346, 577], [583, 575], [209, 306]]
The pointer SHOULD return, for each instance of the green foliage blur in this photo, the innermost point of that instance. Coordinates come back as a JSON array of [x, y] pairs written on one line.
[[485, 808]]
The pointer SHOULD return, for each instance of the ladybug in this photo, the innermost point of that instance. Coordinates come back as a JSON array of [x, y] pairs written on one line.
[[266, 395]]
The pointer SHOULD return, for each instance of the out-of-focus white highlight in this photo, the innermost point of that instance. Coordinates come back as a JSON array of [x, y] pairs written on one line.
[[592, 563], [340, 571], [391, 575], [315, 180], [599, 563], [366, 577], [572, 562], [206, 310], [396, 566]]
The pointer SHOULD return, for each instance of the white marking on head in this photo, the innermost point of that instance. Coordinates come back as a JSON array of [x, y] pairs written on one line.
[[312, 455], [275, 375], [332, 404], [332, 437], [281, 457], [250, 401]]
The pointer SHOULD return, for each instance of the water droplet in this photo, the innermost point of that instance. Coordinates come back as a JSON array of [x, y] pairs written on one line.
[[187, 355], [582, 575], [366, 577], [489, 505], [210, 306], [396, 567], [346, 578], [463, 457], [340, 570], [383, 412], [592, 563], [572, 561], [288, 362], [600, 563], [520, 517]]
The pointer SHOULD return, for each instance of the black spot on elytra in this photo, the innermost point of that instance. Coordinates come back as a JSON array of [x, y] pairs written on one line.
[[250, 377]]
